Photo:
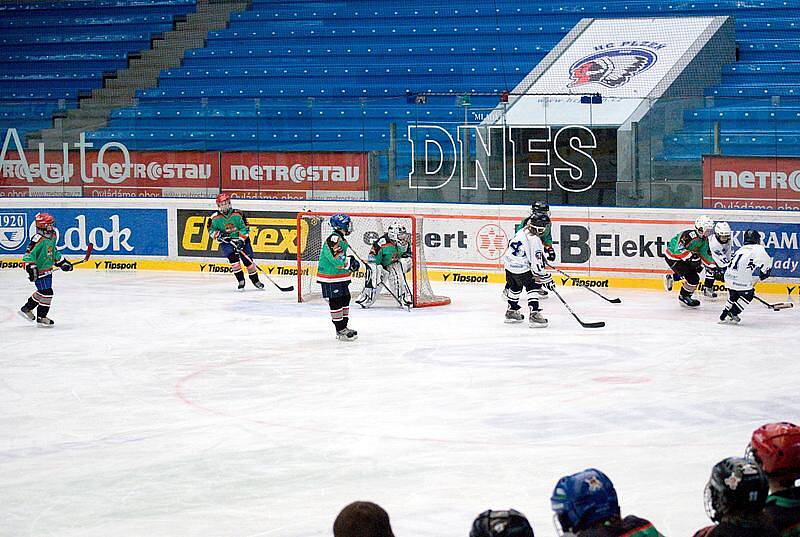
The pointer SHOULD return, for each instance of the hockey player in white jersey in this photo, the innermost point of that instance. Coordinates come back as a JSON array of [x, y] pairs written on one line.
[[750, 264], [524, 264], [719, 243]]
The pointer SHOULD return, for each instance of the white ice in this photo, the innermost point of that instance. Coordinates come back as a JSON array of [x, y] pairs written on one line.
[[168, 404]]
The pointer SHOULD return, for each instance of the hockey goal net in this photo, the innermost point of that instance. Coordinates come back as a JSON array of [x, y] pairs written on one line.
[[314, 227]]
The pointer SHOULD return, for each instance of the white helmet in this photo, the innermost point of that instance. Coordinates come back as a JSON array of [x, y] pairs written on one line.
[[723, 232], [704, 226], [397, 232]]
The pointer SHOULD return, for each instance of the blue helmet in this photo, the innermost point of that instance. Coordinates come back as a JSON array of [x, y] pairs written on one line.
[[341, 222], [583, 499]]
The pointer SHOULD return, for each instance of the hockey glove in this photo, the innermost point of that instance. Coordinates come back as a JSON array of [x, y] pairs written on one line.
[[223, 238], [33, 271], [551, 254], [65, 265], [354, 264], [237, 242], [547, 282], [764, 274]]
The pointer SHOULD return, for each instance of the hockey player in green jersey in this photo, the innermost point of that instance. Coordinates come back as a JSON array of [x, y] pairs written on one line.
[[687, 253], [228, 227], [334, 274], [389, 260], [547, 241], [39, 259]]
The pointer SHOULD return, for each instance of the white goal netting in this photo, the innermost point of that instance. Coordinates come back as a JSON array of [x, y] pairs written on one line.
[[313, 228]]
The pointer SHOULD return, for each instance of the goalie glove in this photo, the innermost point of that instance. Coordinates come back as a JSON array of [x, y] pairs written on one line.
[[32, 270]]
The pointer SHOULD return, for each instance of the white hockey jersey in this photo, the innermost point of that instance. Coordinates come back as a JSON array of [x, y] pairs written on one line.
[[719, 251], [525, 252], [745, 266]]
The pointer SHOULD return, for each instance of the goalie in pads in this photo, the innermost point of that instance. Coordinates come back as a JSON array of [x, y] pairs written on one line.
[[389, 260]]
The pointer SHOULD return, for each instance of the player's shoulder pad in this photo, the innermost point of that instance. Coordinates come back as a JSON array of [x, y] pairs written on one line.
[[334, 237], [36, 238], [383, 240], [215, 214]]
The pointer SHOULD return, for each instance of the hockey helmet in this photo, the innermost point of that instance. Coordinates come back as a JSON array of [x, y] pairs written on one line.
[[397, 232], [537, 223], [776, 448], [751, 236], [540, 207], [224, 202], [45, 224], [723, 232], [737, 486], [509, 523], [583, 499], [342, 222], [704, 226]]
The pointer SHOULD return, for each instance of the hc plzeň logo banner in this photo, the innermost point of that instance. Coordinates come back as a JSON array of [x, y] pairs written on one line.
[[611, 68], [273, 234], [116, 232], [12, 230]]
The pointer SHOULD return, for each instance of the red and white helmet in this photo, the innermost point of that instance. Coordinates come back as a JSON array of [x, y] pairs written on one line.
[[224, 201], [45, 224], [776, 448]]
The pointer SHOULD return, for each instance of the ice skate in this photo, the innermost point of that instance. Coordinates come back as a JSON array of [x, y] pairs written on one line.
[[240, 285], [536, 320], [688, 301], [729, 318], [27, 314], [258, 285], [44, 322], [514, 316], [346, 334]]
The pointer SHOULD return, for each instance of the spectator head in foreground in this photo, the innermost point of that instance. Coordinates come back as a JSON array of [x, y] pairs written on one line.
[[362, 519]]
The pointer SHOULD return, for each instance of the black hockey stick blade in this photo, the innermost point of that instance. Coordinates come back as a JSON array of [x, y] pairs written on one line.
[[596, 324], [286, 289]]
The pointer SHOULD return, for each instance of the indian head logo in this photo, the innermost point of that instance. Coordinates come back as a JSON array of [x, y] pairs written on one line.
[[611, 68]]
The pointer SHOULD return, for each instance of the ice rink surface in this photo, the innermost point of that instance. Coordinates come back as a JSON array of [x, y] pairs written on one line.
[[167, 404]]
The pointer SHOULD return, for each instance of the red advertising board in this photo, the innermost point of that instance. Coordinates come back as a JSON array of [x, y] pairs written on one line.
[[110, 172], [253, 174], [751, 183]]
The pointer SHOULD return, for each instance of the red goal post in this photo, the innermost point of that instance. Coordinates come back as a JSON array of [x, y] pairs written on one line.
[[313, 228]]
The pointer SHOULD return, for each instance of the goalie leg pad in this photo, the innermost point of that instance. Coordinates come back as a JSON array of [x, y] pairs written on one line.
[[397, 278]]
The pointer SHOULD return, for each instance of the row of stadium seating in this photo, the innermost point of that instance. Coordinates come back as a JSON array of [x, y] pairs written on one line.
[[51, 52]]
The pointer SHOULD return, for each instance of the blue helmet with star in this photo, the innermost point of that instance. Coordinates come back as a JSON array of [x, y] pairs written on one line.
[[341, 222], [583, 499]]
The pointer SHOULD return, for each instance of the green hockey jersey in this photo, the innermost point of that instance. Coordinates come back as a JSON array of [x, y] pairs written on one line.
[[688, 245], [334, 266], [547, 238], [233, 224], [43, 253], [385, 251]]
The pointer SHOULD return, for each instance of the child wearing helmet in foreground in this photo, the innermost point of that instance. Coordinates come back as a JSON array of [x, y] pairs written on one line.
[[735, 496], [585, 504], [775, 447], [687, 254]]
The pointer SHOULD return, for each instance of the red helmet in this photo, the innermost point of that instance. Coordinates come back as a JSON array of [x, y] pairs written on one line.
[[223, 196], [776, 447], [44, 219]]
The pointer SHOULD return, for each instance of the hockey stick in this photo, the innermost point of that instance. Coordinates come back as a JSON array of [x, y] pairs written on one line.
[[597, 324], [612, 300], [264, 272], [776, 306], [86, 256]]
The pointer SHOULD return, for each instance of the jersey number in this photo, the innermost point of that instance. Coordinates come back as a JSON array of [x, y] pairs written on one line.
[[736, 261]]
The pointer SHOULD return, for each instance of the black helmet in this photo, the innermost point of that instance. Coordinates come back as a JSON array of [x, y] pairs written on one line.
[[509, 523], [751, 236], [540, 207], [736, 487], [538, 222]]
